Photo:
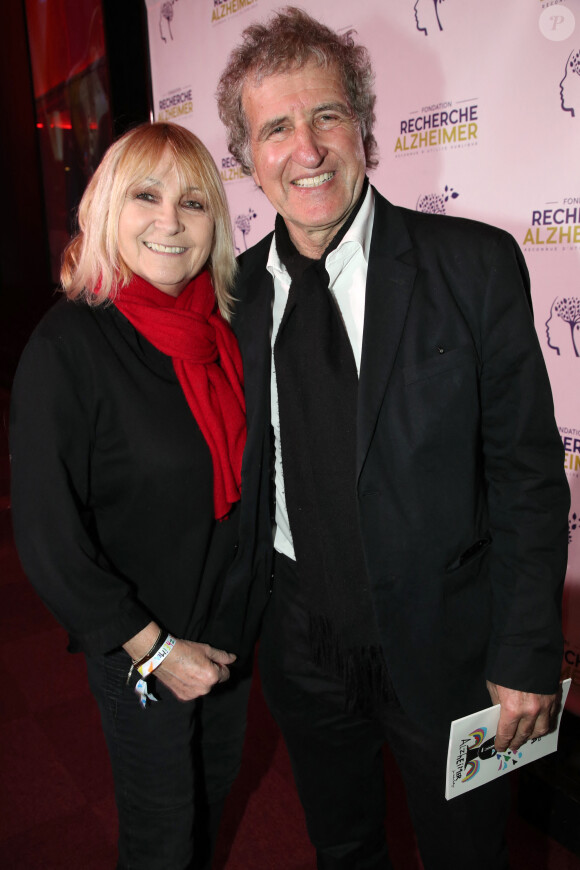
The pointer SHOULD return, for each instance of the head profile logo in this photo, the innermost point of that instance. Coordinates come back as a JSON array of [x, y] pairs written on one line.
[[563, 326], [165, 19], [570, 84], [435, 203], [242, 228], [427, 16]]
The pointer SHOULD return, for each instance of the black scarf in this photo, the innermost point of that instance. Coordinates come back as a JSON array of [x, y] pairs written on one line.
[[317, 384]]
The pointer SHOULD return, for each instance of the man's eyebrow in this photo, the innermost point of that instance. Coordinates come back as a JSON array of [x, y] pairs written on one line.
[[272, 123], [337, 106]]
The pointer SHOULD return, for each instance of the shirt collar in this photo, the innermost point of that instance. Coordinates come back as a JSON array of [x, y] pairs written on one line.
[[358, 238]]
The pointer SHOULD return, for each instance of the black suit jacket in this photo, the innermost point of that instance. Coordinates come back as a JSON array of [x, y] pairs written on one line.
[[462, 496]]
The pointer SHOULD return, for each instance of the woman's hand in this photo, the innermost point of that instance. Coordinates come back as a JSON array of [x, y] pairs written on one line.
[[190, 670]]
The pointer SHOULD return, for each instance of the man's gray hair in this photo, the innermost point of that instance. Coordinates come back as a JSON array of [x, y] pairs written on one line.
[[289, 41]]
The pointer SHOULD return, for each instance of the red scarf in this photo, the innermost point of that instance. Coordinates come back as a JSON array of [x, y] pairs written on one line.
[[190, 329]]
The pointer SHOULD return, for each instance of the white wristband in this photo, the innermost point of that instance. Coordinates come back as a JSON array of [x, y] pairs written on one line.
[[149, 666], [143, 694]]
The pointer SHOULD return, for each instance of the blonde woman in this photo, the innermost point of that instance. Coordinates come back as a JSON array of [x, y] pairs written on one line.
[[127, 432]]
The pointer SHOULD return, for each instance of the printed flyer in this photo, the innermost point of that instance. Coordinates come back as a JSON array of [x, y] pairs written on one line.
[[472, 759]]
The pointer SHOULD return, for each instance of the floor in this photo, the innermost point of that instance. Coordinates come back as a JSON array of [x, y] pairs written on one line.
[[58, 808]]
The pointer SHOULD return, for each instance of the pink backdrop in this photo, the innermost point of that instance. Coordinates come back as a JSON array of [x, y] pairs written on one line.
[[478, 115]]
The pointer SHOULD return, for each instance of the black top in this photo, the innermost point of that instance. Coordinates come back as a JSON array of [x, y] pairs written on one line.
[[112, 484]]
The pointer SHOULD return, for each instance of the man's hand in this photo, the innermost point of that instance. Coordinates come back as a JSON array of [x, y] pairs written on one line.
[[192, 669], [523, 716]]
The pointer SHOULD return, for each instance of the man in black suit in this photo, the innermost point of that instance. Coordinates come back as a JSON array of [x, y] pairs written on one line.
[[420, 519]]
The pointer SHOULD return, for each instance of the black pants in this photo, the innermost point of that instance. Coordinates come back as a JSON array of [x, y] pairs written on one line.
[[338, 763], [173, 764]]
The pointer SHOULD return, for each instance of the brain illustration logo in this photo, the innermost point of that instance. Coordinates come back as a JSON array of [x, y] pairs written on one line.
[[563, 326], [435, 203], [570, 84], [242, 228], [165, 19], [573, 523]]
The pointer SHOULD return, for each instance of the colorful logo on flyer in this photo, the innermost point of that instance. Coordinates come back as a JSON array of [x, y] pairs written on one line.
[[222, 9], [554, 227], [475, 749], [438, 127]]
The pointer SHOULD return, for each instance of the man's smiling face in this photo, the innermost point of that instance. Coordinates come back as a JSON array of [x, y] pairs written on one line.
[[307, 151]]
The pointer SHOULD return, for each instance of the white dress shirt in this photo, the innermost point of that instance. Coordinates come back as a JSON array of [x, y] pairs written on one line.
[[347, 269]]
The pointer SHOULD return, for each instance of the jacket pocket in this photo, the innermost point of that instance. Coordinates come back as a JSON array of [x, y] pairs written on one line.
[[471, 554], [439, 364]]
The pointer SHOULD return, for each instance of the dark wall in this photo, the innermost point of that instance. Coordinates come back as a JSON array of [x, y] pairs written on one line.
[[26, 289], [128, 57]]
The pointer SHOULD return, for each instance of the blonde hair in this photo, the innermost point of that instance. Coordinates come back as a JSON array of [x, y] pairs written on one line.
[[92, 267]]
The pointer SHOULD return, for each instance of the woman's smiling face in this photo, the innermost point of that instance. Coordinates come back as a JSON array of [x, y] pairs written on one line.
[[165, 232]]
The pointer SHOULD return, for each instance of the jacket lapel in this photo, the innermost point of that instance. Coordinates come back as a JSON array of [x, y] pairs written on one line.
[[253, 325], [390, 283]]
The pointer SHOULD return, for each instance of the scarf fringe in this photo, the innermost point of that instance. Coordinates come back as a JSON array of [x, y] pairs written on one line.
[[363, 670]]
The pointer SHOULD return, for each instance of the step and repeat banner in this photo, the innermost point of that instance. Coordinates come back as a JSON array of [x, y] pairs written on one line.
[[478, 115]]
